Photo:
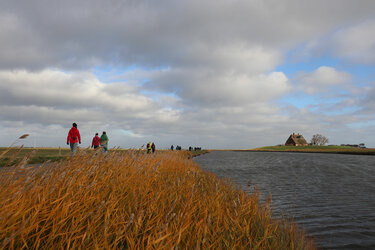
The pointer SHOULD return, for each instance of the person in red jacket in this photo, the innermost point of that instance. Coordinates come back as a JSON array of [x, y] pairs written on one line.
[[95, 141], [73, 138]]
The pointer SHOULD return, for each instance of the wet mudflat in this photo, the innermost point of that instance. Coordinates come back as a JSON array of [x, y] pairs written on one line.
[[331, 196]]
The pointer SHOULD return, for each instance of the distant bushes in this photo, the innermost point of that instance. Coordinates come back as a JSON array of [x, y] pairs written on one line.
[[134, 200]]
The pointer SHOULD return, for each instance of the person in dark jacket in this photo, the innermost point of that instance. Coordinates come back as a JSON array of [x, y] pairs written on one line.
[[153, 147], [95, 141], [73, 138]]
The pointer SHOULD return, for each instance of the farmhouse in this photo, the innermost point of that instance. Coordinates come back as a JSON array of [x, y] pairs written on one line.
[[296, 140]]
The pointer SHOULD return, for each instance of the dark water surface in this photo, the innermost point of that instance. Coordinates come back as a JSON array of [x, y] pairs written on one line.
[[331, 196]]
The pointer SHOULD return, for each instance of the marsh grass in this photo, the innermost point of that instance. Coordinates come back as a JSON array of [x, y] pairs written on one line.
[[132, 200]]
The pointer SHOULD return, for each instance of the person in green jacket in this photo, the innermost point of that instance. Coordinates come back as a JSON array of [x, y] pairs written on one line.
[[104, 141]]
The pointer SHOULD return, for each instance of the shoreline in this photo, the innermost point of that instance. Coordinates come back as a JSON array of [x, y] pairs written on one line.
[[315, 149], [310, 152], [371, 152]]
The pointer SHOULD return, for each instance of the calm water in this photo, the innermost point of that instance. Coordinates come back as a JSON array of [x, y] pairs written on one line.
[[331, 196]]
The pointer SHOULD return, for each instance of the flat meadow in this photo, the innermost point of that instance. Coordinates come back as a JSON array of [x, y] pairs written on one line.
[[132, 200], [318, 149], [34, 155]]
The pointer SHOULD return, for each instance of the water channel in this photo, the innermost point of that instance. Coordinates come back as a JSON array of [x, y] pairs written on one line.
[[331, 196]]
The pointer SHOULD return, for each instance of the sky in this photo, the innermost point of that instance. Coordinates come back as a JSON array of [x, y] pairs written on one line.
[[228, 74]]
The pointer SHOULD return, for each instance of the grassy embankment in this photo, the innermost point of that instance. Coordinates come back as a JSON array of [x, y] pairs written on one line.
[[36, 155], [318, 149], [41, 155], [134, 200]]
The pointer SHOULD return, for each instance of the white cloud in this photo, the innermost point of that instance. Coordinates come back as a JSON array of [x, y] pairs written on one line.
[[220, 89], [81, 34], [240, 58], [54, 97], [53, 88], [356, 43], [49, 101], [321, 79], [368, 103]]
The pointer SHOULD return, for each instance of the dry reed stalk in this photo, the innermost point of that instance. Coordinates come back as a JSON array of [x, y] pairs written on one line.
[[24, 136], [129, 199]]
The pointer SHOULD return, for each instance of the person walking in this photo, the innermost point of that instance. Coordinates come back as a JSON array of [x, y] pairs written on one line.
[[153, 147], [104, 141], [95, 141], [148, 147], [73, 138], [172, 147]]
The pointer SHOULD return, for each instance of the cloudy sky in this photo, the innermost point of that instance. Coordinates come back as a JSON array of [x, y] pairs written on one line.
[[215, 74]]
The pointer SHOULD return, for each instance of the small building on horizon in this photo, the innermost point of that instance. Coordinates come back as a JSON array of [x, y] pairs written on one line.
[[296, 140]]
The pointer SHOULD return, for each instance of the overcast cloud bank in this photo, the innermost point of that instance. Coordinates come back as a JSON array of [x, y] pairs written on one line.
[[231, 74]]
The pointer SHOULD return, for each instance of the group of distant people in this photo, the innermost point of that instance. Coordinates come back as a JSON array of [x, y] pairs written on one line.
[[177, 147], [74, 138], [195, 148], [101, 141], [190, 148], [150, 147]]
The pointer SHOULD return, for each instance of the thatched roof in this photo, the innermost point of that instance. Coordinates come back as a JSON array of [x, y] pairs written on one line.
[[296, 140]]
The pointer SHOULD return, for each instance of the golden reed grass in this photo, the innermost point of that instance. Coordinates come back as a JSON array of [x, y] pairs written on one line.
[[132, 200]]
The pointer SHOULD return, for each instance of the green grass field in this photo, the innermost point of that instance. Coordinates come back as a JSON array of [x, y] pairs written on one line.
[[318, 149], [35, 155]]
